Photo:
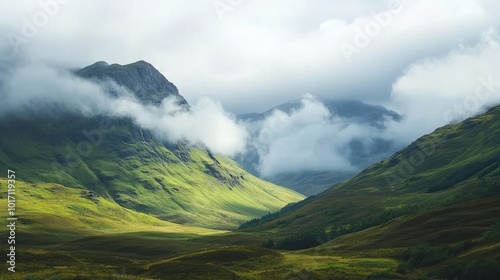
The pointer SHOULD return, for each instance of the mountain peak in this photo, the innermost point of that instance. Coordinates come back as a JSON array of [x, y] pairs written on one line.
[[140, 77], [142, 63], [100, 64]]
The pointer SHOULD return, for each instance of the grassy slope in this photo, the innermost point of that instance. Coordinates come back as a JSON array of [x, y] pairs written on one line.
[[57, 225], [458, 162], [52, 208], [475, 222], [126, 165]]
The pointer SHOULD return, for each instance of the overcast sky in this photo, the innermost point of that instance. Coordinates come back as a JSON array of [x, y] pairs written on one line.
[[252, 54], [434, 62]]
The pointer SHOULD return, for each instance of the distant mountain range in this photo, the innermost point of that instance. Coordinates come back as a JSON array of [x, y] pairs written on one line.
[[354, 110], [363, 151]]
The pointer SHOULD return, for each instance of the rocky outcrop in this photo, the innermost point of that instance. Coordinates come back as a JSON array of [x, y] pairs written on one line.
[[141, 78]]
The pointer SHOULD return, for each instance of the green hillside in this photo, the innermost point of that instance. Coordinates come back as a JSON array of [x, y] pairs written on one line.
[[432, 207], [58, 211], [456, 163], [128, 166]]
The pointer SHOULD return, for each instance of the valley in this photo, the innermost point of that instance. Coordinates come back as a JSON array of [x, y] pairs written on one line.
[[100, 197]]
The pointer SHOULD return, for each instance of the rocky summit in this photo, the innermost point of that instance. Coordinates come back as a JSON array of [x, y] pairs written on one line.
[[141, 78]]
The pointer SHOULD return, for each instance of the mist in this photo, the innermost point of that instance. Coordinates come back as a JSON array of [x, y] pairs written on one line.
[[38, 87], [260, 53], [437, 91], [310, 138], [430, 93]]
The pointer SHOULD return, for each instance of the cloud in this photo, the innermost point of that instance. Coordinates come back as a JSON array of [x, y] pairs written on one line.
[[206, 123], [436, 91], [311, 139], [36, 87], [430, 93], [426, 63], [261, 47]]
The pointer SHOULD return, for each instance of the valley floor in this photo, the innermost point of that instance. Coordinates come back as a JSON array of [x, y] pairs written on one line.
[[82, 238], [367, 254], [91, 238]]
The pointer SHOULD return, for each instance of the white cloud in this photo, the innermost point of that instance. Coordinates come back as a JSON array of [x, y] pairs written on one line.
[[432, 92], [39, 88], [261, 47], [206, 123], [309, 138]]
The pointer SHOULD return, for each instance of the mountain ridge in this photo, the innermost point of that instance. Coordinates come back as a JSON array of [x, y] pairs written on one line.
[[345, 108], [141, 78]]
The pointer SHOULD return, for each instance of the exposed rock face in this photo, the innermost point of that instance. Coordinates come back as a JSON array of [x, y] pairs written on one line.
[[141, 78]]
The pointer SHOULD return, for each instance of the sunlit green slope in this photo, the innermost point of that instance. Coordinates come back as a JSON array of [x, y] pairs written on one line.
[[126, 165]]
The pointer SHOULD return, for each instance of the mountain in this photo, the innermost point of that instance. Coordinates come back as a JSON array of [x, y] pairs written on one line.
[[354, 110], [362, 151], [127, 166], [141, 78]]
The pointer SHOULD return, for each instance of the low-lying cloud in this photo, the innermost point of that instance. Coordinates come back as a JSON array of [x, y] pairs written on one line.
[[310, 138], [307, 139], [36, 87], [206, 123], [436, 91]]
